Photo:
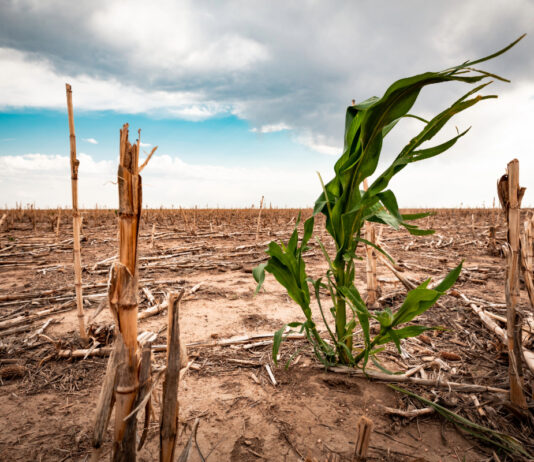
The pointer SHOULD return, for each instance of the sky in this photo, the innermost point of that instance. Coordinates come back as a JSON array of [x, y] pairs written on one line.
[[246, 99]]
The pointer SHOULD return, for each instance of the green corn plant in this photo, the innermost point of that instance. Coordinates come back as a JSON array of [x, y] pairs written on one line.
[[347, 207]]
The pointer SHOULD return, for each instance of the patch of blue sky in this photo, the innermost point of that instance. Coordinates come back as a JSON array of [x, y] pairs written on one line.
[[223, 140]]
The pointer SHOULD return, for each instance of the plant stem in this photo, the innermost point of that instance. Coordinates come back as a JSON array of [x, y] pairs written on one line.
[[123, 297], [341, 310], [74, 164]]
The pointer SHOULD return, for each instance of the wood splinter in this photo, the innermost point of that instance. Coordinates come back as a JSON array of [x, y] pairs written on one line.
[[105, 403], [169, 401]]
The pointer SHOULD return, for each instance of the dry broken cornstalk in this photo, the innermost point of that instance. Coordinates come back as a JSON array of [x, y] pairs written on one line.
[[169, 401], [74, 164], [145, 387], [410, 413], [436, 383], [122, 292], [510, 195]]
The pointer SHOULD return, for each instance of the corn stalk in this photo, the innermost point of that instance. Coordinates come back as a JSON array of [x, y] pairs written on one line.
[[76, 223], [510, 195], [123, 298]]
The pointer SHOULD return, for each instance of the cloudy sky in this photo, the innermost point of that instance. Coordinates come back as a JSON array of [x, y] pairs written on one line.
[[248, 98]]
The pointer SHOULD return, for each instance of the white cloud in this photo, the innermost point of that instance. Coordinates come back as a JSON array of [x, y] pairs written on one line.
[[145, 145], [167, 180], [180, 38], [45, 180], [90, 140], [271, 128], [197, 112], [29, 82], [318, 143]]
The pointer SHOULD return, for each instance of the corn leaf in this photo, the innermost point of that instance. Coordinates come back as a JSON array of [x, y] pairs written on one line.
[[259, 275], [404, 332], [416, 216], [421, 298], [450, 279]]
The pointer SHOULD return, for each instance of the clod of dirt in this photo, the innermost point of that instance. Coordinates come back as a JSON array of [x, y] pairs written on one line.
[[247, 450], [253, 321]]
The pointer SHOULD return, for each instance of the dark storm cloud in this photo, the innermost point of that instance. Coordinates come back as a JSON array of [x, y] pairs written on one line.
[[299, 63]]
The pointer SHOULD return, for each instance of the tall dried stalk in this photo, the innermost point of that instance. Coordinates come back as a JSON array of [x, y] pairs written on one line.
[[74, 164], [510, 195], [123, 297], [123, 373]]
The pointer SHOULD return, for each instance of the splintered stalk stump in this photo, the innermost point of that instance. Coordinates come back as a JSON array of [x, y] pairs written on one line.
[[364, 428], [122, 294], [127, 384], [169, 402], [145, 383], [510, 195], [105, 403], [76, 224]]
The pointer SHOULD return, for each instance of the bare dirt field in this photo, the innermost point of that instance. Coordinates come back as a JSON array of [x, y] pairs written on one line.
[[47, 402]]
